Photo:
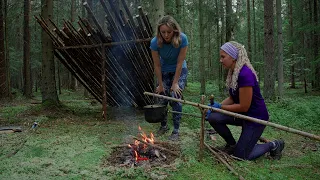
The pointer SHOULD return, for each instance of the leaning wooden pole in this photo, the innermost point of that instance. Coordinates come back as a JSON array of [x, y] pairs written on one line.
[[103, 83], [202, 130], [259, 121]]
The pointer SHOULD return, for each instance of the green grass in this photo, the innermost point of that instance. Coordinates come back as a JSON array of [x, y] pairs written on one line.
[[73, 142]]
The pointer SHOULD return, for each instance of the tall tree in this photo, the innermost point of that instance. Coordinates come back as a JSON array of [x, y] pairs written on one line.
[[26, 51], [72, 83], [228, 20], [249, 28], [3, 64], [292, 70], [48, 83], [7, 47], [158, 11], [202, 52], [179, 9], [316, 43], [268, 50], [254, 30], [280, 49]]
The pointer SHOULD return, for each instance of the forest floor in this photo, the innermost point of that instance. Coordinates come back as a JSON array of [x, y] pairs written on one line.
[[74, 142]]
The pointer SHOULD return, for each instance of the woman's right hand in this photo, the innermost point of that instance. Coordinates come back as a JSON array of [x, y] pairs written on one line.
[[160, 89]]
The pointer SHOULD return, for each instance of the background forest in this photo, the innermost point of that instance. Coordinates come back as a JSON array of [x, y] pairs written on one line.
[[73, 141], [282, 39]]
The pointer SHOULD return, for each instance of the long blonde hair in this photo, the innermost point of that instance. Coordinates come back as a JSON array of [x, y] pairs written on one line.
[[171, 23], [232, 78]]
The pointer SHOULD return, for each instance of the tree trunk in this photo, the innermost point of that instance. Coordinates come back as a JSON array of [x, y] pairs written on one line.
[[72, 82], [292, 69], [178, 12], [202, 53], [280, 49], [169, 8], [268, 49], [7, 47], [254, 31], [157, 13], [48, 83], [3, 64], [316, 43], [26, 51], [228, 20], [249, 29]]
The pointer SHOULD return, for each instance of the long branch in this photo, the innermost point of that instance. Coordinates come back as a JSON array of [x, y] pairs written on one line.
[[105, 44], [256, 120]]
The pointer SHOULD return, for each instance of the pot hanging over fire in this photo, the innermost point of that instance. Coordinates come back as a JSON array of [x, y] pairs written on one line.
[[155, 113]]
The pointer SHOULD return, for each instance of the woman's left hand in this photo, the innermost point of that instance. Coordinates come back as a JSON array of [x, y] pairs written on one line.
[[176, 89]]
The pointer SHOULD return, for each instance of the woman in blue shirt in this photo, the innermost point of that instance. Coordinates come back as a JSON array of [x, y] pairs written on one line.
[[169, 49]]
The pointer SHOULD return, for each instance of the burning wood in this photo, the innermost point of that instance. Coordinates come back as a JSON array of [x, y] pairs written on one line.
[[143, 152]]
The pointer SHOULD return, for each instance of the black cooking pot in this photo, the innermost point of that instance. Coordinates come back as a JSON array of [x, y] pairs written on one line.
[[155, 113]]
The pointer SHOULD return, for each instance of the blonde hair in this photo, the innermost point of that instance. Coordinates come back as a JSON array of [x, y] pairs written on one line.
[[171, 23], [232, 78]]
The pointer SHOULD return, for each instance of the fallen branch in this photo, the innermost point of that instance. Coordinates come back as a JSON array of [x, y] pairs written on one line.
[[223, 161], [225, 154], [256, 120], [155, 146]]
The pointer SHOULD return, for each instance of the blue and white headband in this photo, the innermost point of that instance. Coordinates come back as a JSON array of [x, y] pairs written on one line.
[[230, 49]]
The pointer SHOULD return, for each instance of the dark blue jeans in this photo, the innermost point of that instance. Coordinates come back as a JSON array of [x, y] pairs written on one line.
[[246, 147], [167, 79]]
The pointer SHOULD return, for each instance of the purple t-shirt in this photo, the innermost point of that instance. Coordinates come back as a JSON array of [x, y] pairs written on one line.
[[258, 108]]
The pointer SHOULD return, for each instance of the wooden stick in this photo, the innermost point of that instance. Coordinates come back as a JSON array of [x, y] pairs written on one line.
[[217, 155], [256, 120], [155, 146], [105, 44], [202, 130], [265, 140], [231, 156], [188, 114]]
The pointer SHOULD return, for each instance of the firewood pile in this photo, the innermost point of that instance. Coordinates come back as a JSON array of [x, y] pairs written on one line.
[[114, 63]]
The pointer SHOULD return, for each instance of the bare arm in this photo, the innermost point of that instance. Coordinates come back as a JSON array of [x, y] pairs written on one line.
[[245, 97], [227, 101], [157, 69], [181, 58]]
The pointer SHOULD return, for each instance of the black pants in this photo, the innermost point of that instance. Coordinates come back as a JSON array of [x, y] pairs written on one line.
[[246, 147]]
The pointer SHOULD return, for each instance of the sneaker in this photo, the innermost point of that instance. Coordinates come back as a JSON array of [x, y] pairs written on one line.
[[162, 130], [174, 137], [229, 149], [277, 152]]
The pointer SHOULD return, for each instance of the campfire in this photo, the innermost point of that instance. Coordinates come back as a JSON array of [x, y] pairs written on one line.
[[143, 151]]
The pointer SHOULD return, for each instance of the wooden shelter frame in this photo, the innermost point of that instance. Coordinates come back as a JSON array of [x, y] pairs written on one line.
[[113, 64]]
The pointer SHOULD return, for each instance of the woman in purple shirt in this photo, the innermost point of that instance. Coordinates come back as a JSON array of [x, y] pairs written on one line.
[[244, 98]]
